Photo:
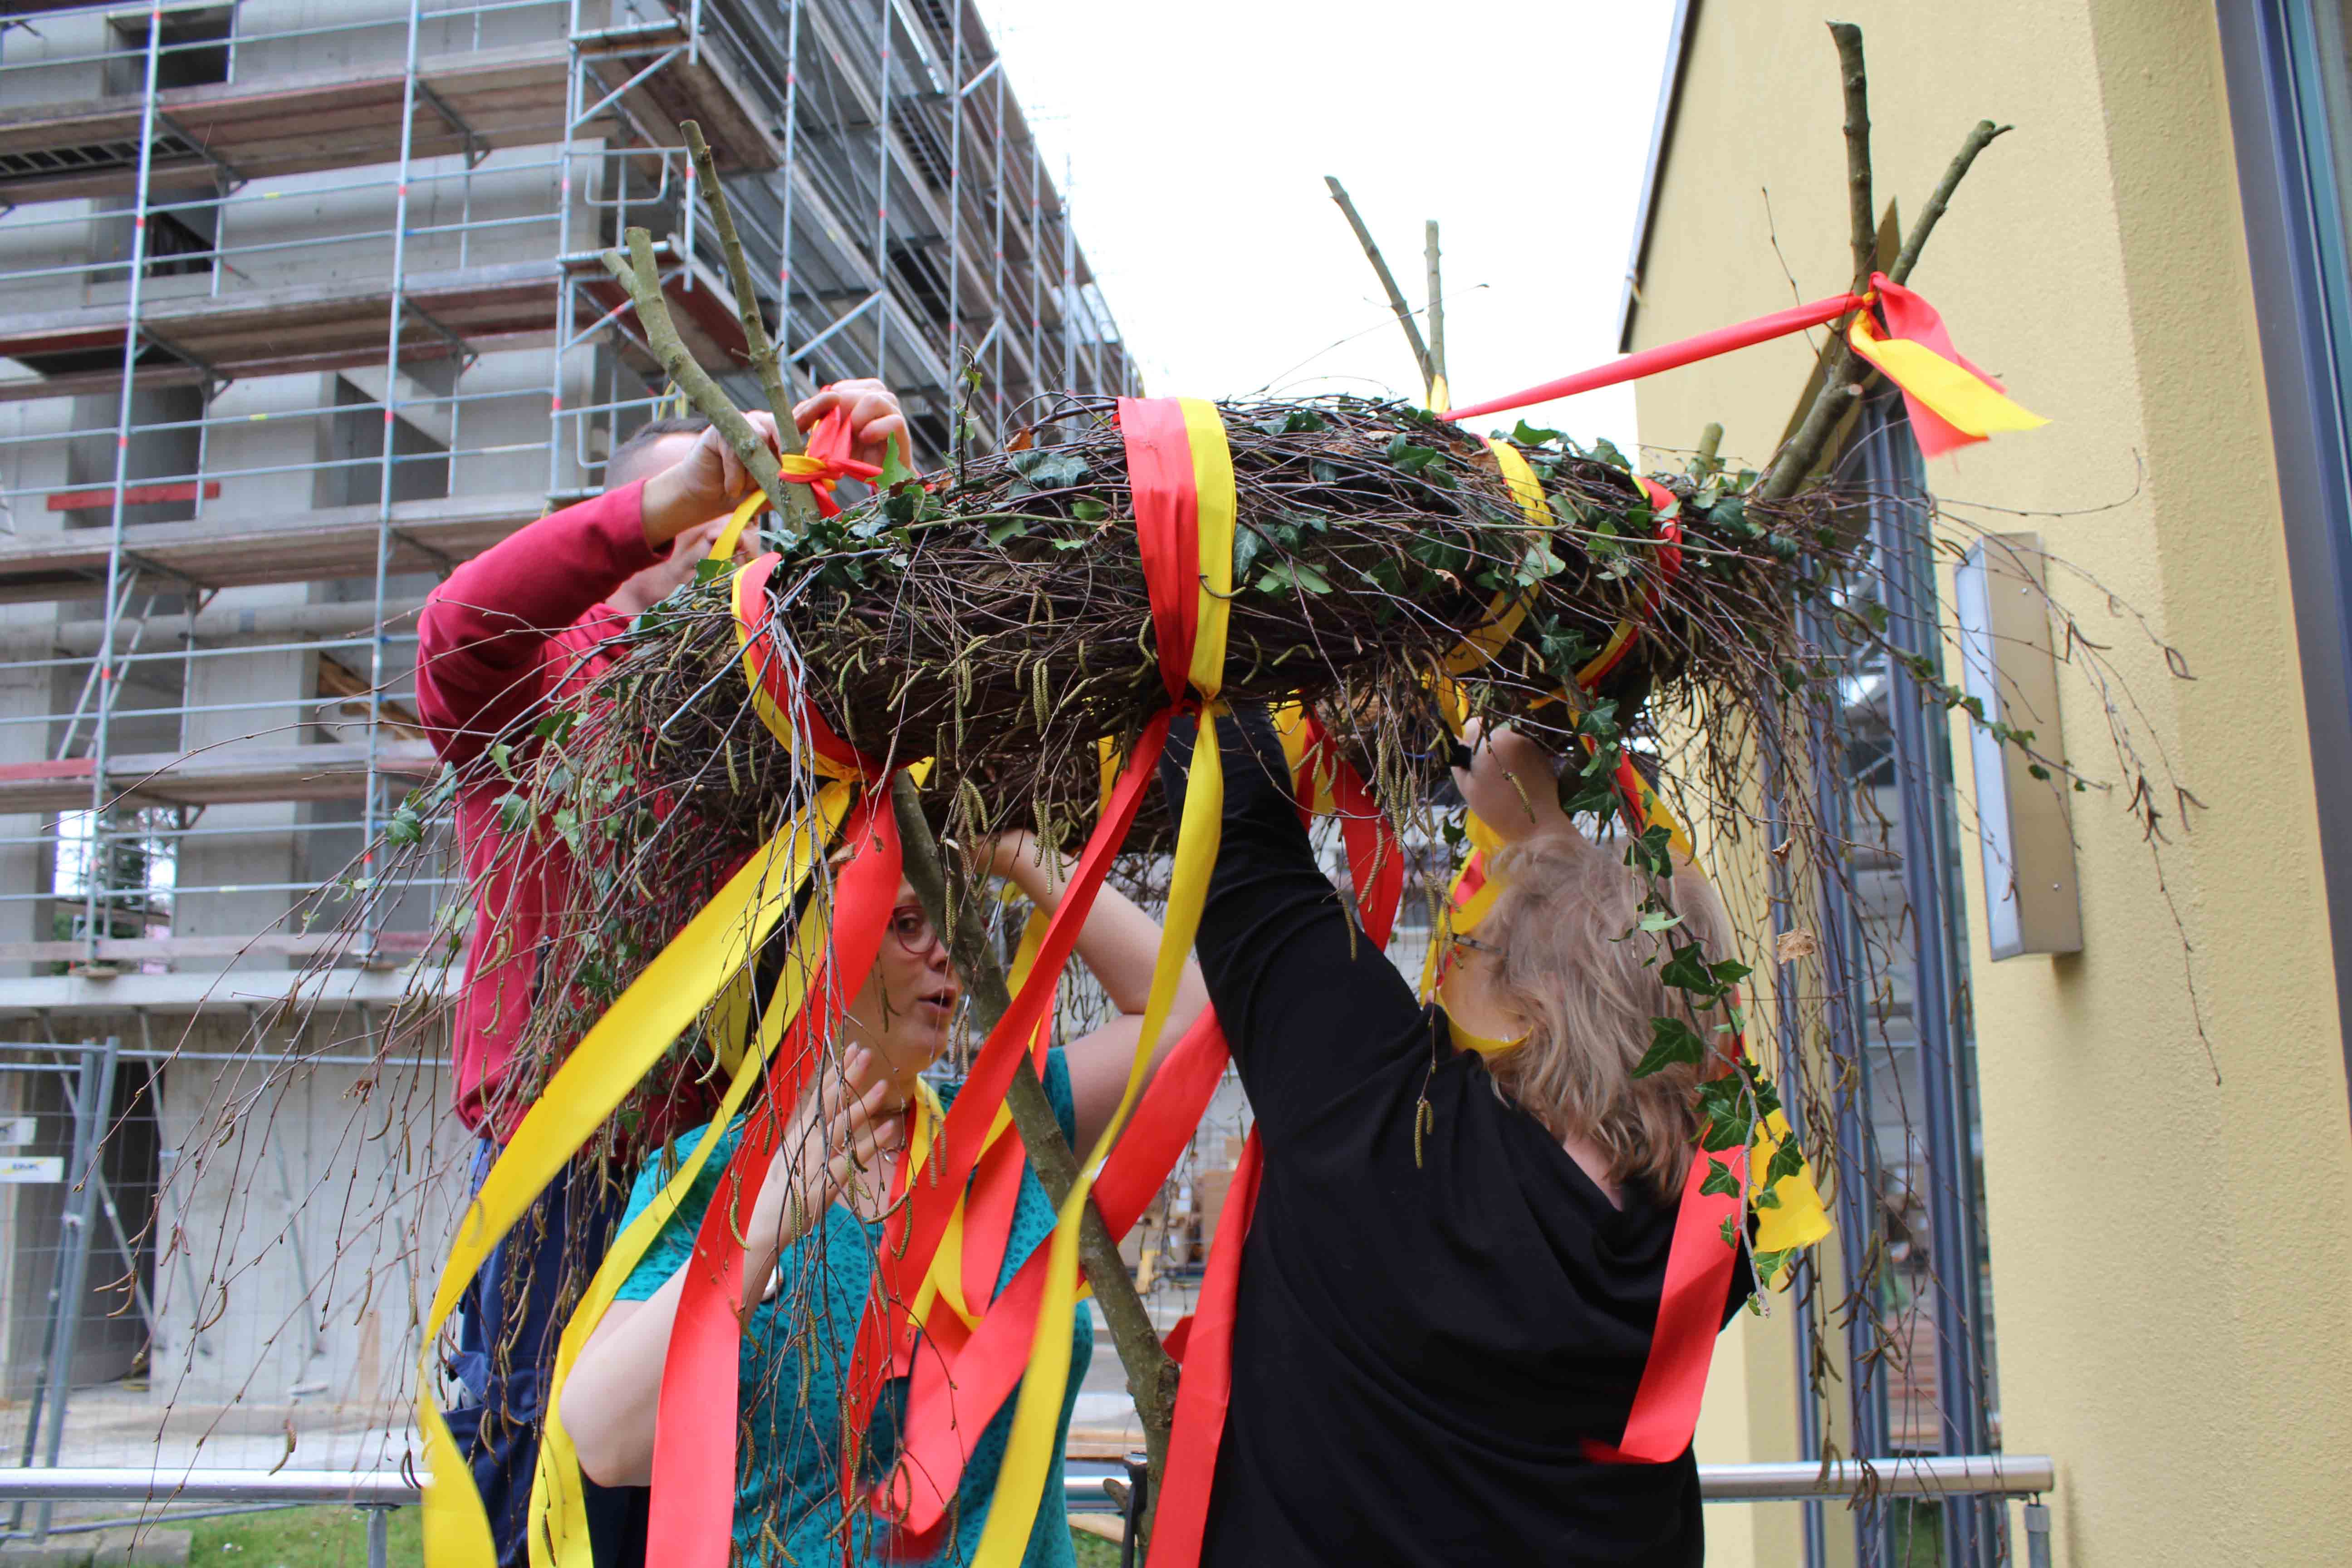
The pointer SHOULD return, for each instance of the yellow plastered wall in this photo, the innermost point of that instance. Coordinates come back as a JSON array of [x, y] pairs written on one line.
[[2172, 1255]]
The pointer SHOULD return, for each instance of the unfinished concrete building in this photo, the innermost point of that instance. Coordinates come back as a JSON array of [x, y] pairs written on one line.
[[300, 306]]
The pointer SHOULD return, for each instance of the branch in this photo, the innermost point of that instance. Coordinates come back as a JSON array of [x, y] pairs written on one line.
[[1925, 223], [1862, 219], [747, 302], [1436, 307], [1840, 381], [1804, 448], [1388, 280], [641, 278], [1151, 1374]]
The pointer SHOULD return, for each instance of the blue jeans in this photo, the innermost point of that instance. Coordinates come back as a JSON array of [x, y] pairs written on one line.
[[509, 1325]]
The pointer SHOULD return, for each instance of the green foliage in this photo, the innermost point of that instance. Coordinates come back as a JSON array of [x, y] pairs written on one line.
[[1672, 1041], [1719, 1182], [1042, 469], [1528, 435]]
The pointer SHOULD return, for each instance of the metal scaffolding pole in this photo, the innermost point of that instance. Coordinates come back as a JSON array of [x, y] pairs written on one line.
[[124, 403], [996, 266], [882, 204], [792, 183], [373, 903], [955, 232]]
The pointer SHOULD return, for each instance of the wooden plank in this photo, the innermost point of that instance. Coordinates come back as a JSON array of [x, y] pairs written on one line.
[[302, 121], [237, 549], [173, 949], [337, 771]]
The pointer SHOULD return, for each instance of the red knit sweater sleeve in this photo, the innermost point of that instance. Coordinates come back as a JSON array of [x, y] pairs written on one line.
[[482, 638]]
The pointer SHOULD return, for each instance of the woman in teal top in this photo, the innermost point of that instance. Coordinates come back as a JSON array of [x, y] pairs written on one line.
[[810, 1244]]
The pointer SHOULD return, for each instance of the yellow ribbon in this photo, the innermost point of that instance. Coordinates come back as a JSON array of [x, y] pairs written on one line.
[[1504, 613], [610, 1059], [559, 1533], [1029, 1452], [1958, 395], [1796, 1218]]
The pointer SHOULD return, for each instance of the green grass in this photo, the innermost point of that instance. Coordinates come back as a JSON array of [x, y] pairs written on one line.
[[337, 1538], [299, 1537]]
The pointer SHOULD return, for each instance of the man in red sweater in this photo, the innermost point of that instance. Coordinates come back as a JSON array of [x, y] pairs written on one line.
[[507, 638]]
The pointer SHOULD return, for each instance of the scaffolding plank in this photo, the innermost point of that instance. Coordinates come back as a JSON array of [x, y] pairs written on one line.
[[228, 549], [302, 122], [317, 994], [405, 944], [335, 771], [338, 324]]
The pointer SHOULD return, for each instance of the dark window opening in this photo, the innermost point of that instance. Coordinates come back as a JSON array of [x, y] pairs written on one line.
[[193, 50]]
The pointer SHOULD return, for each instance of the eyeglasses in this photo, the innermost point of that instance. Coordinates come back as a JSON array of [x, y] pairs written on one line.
[[912, 927], [1473, 943]]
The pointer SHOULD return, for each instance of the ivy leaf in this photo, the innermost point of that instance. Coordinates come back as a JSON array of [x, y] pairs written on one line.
[[514, 811], [1087, 510], [1047, 469], [1248, 544], [1769, 1264], [1730, 971], [894, 471], [1323, 472], [555, 726], [1672, 1041], [1659, 919], [1538, 563], [1408, 457], [1010, 528], [1719, 1182], [1302, 422], [708, 571], [1721, 1103], [1686, 970], [1788, 1159], [502, 758], [1528, 435]]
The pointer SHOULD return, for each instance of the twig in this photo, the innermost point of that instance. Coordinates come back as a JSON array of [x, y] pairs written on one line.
[[1925, 223], [763, 350], [1151, 1374], [1861, 216], [1841, 382], [1388, 280], [1436, 307], [641, 277]]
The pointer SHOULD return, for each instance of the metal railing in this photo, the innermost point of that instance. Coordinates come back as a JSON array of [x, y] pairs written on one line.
[[1999, 1475]]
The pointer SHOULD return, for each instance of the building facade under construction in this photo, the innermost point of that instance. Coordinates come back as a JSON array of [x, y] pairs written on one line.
[[302, 305]]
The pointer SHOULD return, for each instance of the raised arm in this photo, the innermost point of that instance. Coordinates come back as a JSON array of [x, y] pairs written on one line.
[[1307, 1001], [614, 1390], [1119, 945], [482, 634]]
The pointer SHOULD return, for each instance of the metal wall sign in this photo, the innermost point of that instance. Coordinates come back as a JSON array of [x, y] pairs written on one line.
[[31, 1170], [2024, 827]]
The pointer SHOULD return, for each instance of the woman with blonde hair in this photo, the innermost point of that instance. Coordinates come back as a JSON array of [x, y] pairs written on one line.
[[1455, 1265]]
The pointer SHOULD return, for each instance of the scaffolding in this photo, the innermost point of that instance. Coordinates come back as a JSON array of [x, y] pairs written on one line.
[[301, 306]]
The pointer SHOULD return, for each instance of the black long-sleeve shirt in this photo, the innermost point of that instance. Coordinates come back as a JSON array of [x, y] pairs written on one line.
[[1422, 1346]]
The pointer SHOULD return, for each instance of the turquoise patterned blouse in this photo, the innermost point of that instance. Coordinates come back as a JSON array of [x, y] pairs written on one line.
[[787, 1508]]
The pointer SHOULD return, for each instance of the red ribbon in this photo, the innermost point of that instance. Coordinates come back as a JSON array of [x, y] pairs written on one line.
[[826, 461], [694, 1467], [1671, 356]]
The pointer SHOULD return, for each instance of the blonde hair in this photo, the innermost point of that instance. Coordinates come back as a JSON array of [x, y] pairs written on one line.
[[1568, 959]]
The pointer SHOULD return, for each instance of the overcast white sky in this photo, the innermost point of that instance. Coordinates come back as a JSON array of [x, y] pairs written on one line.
[[1197, 138]]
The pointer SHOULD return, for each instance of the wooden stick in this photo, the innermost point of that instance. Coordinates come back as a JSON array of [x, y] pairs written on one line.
[[1436, 307], [1924, 225], [763, 350], [641, 278], [1840, 379], [1151, 1374], [1388, 280], [1861, 221]]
